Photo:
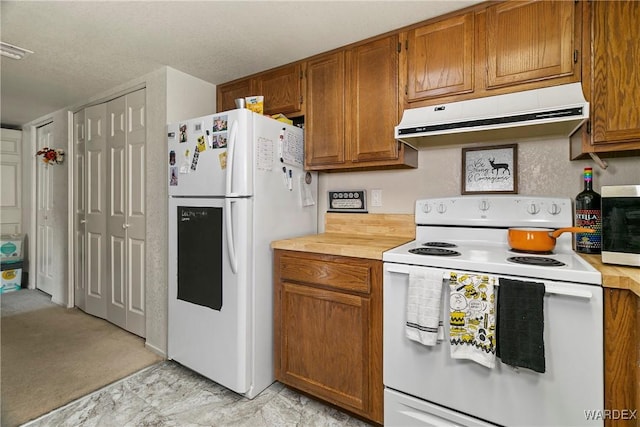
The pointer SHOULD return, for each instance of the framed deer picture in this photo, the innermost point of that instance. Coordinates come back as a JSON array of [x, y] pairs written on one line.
[[490, 169]]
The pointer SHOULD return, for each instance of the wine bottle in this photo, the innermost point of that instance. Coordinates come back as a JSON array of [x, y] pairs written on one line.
[[588, 215]]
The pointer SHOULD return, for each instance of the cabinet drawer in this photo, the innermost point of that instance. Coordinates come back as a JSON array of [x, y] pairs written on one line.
[[327, 271]]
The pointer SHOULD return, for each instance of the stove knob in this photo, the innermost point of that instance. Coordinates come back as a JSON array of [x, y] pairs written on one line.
[[533, 209], [554, 209], [484, 205], [426, 208], [441, 208]]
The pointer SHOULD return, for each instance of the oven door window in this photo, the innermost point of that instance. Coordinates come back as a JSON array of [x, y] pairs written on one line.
[[200, 235], [621, 224]]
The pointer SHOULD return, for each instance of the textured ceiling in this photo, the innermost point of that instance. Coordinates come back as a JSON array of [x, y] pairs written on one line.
[[82, 48]]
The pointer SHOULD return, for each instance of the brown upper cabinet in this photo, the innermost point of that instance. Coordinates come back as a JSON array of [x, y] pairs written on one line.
[[529, 41], [325, 111], [227, 93], [281, 87], [440, 58], [489, 50], [352, 98], [352, 108], [611, 80]]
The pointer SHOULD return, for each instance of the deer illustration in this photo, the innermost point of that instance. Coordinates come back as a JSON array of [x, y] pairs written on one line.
[[497, 166]]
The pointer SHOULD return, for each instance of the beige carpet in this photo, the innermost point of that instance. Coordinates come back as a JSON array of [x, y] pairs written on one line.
[[52, 355]]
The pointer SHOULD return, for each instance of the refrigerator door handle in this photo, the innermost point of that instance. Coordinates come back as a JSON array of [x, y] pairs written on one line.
[[231, 148], [231, 248]]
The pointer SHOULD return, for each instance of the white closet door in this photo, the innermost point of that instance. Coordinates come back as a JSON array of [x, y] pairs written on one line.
[[96, 210], [10, 176], [80, 211], [45, 280], [126, 212], [136, 212], [116, 218]]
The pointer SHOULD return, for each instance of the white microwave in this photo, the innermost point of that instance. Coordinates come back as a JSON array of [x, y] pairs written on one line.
[[621, 224]]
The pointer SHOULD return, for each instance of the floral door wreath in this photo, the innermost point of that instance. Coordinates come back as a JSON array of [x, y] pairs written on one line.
[[51, 155]]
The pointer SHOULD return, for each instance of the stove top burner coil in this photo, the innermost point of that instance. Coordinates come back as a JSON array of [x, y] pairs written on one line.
[[534, 260], [440, 244], [434, 251], [519, 251]]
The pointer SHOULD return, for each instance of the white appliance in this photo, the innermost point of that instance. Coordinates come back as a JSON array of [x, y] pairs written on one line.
[[236, 183], [424, 386], [557, 110]]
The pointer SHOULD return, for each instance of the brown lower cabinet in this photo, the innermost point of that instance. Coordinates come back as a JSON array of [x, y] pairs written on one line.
[[622, 357], [328, 329]]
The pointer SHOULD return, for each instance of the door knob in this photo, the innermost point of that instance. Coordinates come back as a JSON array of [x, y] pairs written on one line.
[[83, 221], [125, 226]]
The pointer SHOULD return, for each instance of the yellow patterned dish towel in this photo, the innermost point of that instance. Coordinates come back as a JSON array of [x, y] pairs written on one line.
[[472, 318]]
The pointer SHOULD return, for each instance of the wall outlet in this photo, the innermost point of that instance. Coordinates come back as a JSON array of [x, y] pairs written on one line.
[[376, 198]]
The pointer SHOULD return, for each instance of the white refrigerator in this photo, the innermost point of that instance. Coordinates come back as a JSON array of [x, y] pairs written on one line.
[[236, 183]]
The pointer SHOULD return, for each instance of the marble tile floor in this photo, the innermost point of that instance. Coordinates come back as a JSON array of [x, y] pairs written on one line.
[[167, 394]]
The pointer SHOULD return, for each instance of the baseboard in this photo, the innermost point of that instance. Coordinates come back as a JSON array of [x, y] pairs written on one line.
[[155, 349]]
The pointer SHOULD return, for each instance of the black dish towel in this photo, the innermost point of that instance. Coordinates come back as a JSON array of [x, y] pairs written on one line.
[[520, 324]]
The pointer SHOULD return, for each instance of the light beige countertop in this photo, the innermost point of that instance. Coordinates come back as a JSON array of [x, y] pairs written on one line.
[[355, 235], [616, 276]]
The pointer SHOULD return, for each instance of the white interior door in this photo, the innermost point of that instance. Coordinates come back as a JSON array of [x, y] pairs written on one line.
[[80, 210], [96, 210], [45, 280], [116, 223], [10, 175], [136, 212], [126, 212]]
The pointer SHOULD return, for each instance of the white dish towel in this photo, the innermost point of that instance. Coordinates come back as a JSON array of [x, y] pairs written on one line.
[[423, 307]]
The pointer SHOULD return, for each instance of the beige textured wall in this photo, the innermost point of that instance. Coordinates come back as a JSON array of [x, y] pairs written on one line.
[[544, 169]]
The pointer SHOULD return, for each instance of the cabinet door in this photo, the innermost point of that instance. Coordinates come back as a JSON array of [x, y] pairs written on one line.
[[282, 89], [325, 111], [372, 104], [528, 41], [227, 93], [616, 78], [440, 58], [324, 337], [621, 352]]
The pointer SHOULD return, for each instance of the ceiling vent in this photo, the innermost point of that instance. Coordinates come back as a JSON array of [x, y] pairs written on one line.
[[13, 52]]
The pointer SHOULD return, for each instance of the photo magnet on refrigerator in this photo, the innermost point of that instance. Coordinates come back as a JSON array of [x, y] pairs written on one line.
[[194, 161], [202, 145], [222, 157], [184, 167]]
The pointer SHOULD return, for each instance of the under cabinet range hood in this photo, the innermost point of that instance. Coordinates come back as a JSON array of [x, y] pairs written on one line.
[[551, 111]]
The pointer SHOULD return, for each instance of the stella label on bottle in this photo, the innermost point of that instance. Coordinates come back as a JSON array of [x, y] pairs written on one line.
[[588, 215]]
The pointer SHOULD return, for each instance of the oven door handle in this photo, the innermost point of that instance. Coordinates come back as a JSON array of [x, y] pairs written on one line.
[[549, 287], [554, 289]]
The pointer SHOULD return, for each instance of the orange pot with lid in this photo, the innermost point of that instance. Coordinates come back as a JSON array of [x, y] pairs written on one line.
[[539, 239]]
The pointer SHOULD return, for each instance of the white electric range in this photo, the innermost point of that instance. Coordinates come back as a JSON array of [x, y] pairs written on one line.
[[468, 234]]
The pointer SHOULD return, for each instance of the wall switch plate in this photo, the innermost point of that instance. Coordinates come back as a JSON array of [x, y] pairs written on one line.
[[348, 201], [376, 198]]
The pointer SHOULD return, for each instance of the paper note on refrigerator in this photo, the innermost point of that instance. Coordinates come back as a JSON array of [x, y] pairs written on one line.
[[291, 148], [264, 154], [306, 196]]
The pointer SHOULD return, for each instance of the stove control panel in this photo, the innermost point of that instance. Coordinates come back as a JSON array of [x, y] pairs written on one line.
[[495, 211]]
